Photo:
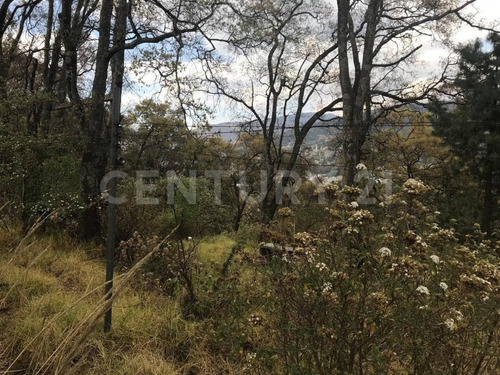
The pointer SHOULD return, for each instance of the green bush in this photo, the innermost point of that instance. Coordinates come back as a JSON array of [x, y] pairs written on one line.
[[380, 291]]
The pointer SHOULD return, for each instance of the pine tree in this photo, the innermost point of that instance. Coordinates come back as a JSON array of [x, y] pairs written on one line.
[[473, 128]]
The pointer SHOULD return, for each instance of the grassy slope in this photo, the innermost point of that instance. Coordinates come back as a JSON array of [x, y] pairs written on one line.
[[41, 284]]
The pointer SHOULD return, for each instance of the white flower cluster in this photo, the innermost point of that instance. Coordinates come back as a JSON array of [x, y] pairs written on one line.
[[321, 267], [360, 217], [255, 320], [351, 191], [361, 167], [285, 212], [309, 293], [458, 315], [435, 259], [414, 187], [476, 281], [487, 271], [443, 286], [450, 324], [385, 252], [327, 287], [423, 290], [354, 204], [251, 356], [442, 234], [338, 275], [352, 230], [418, 243], [421, 243], [309, 256], [304, 238], [331, 190]]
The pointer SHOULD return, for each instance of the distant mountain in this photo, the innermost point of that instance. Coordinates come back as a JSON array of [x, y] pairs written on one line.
[[317, 147], [229, 131]]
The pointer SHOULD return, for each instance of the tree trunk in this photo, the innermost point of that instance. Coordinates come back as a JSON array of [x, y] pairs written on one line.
[[488, 201], [356, 93], [268, 204], [269, 207], [240, 204], [4, 71], [273, 199], [347, 93], [93, 165], [351, 152]]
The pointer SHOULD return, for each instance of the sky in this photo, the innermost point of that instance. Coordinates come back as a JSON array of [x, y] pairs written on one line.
[[428, 61], [488, 12]]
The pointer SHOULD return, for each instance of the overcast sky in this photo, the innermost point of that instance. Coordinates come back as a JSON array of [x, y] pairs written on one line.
[[430, 56], [488, 12]]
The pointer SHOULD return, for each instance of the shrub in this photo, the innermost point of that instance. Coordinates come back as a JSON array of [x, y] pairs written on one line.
[[385, 290]]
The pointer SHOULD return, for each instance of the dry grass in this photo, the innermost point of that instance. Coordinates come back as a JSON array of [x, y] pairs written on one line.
[[144, 362], [215, 249], [52, 309]]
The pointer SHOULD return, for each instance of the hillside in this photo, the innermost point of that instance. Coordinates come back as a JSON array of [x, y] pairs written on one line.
[[50, 285], [215, 305]]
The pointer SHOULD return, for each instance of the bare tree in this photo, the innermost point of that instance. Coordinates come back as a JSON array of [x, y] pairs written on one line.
[[377, 41], [278, 64], [279, 59], [363, 67], [14, 17], [148, 23]]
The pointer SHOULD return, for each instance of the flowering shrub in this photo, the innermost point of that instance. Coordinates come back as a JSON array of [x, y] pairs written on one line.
[[171, 267], [374, 290], [380, 291]]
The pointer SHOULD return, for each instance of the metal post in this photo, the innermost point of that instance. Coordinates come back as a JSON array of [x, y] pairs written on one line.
[[112, 188], [117, 66]]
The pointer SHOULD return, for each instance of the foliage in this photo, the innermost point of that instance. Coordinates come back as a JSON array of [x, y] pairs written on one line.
[[348, 295], [171, 267], [404, 146], [472, 129], [407, 285], [380, 289], [40, 176], [156, 138]]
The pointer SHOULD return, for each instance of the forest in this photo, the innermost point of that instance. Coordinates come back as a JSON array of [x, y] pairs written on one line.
[[303, 187]]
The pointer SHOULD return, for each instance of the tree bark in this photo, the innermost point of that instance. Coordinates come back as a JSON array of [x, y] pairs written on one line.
[[4, 71], [355, 93], [93, 164], [488, 200]]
